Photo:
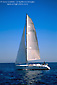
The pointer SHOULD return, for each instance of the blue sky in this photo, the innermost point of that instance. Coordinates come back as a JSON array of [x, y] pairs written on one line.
[[12, 21]]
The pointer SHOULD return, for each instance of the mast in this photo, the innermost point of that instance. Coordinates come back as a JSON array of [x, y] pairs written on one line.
[[26, 37]]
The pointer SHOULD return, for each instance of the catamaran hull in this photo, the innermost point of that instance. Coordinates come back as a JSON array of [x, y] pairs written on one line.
[[28, 67]]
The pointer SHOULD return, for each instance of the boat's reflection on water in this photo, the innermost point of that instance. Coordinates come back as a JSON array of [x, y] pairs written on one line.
[[29, 76]]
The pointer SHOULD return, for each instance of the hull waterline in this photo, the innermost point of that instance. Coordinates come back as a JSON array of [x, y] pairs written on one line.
[[33, 67]]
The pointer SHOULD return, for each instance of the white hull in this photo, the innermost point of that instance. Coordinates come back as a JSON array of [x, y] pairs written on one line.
[[32, 67]]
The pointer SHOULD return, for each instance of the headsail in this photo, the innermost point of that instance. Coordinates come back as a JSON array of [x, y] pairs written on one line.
[[32, 43], [21, 56]]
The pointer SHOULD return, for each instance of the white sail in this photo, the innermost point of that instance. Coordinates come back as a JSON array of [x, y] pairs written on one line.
[[32, 43], [21, 56]]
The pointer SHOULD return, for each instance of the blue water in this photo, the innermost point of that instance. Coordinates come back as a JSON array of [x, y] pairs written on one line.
[[10, 76]]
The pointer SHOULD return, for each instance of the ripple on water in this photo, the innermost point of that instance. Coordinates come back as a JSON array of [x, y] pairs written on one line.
[[8, 77]]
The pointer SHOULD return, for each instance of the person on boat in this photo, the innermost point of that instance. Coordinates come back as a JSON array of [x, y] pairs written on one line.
[[44, 63]]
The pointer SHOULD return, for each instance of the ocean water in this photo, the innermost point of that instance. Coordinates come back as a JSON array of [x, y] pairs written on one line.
[[10, 76]]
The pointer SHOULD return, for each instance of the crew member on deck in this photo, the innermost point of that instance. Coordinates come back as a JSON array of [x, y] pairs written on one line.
[[44, 62]]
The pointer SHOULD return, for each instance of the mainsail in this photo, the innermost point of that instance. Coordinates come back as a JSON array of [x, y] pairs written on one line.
[[32, 43], [21, 56]]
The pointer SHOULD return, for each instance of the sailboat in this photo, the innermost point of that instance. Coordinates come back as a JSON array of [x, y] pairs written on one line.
[[29, 49]]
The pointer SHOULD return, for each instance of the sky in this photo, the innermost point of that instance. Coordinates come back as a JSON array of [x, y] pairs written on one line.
[[12, 21]]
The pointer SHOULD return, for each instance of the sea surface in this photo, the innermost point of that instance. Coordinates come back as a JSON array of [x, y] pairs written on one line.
[[10, 76]]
